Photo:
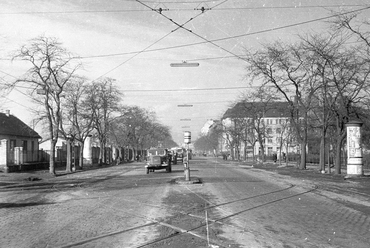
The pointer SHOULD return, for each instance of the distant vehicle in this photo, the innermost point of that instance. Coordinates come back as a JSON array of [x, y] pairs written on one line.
[[158, 159], [181, 153], [173, 156]]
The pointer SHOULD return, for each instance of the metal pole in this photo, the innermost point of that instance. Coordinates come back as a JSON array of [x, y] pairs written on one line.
[[186, 165]]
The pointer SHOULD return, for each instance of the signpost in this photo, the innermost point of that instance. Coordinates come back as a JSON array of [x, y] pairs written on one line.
[[187, 140]]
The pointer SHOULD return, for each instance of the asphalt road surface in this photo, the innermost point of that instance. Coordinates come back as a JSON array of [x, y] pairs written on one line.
[[121, 206]]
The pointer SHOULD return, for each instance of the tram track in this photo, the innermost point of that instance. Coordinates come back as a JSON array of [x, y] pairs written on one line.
[[222, 219], [180, 231], [209, 206]]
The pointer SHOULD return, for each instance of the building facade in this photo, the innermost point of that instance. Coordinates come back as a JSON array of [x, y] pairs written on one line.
[[19, 142], [247, 123]]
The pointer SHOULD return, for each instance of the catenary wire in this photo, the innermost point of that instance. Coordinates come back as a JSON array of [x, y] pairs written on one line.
[[199, 36], [179, 9], [223, 39], [146, 48]]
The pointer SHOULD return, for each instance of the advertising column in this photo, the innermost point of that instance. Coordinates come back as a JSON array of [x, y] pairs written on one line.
[[354, 149]]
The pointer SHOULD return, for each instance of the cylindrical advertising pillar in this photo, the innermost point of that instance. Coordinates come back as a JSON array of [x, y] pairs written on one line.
[[354, 149]]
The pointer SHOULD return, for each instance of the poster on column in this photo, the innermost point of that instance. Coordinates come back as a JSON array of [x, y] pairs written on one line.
[[354, 145]]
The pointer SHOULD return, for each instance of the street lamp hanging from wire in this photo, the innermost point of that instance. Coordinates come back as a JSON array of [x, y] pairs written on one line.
[[184, 64]]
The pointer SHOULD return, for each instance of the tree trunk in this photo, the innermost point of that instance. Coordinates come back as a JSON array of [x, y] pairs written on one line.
[[101, 154], [302, 164], [81, 160], [52, 157], [322, 153], [69, 157], [263, 158], [245, 150], [286, 153], [338, 153]]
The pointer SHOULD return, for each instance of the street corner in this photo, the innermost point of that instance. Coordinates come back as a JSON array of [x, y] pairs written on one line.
[[183, 181]]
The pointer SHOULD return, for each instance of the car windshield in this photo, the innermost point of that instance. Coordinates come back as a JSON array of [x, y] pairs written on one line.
[[157, 152]]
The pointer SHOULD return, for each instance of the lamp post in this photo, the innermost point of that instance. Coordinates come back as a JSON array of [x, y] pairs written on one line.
[[187, 140]]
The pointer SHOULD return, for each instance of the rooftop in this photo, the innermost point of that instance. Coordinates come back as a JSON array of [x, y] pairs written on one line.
[[252, 109], [11, 125]]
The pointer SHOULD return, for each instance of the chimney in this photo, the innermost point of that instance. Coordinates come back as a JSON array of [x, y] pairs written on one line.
[[7, 112]]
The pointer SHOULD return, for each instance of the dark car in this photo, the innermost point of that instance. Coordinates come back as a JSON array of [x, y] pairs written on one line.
[[158, 159]]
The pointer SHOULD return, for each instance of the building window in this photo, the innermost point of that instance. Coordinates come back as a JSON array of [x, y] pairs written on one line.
[[269, 141], [24, 145], [269, 131], [12, 144], [269, 151], [278, 130]]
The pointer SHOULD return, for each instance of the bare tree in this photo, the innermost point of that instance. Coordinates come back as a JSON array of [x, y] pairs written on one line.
[[51, 69], [104, 103], [287, 68], [78, 115], [322, 50], [350, 76], [138, 129], [354, 28]]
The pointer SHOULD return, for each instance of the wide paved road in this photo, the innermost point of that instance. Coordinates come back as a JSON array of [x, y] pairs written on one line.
[[121, 206]]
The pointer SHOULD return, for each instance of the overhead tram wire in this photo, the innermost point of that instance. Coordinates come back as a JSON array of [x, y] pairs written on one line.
[[179, 9], [220, 47], [199, 36], [119, 65], [201, 89], [223, 39]]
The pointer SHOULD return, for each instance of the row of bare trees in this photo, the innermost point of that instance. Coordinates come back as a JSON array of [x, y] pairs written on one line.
[[324, 79], [73, 108]]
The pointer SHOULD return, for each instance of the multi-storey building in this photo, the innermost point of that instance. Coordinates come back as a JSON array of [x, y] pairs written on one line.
[[247, 123]]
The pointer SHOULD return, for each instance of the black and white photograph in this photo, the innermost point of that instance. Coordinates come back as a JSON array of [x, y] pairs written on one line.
[[185, 123]]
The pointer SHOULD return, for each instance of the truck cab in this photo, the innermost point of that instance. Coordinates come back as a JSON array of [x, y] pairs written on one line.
[[158, 159]]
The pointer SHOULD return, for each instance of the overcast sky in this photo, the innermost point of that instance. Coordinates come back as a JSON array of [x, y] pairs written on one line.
[[128, 41]]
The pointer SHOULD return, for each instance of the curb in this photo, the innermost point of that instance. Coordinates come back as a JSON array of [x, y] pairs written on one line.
[[193, 180]]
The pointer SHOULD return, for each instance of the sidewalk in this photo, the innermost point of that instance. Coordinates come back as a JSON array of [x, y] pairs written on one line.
[[353, 192], [44, 175]]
